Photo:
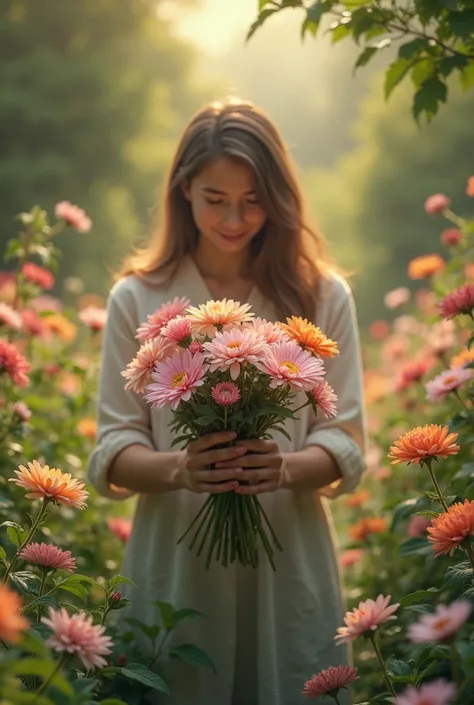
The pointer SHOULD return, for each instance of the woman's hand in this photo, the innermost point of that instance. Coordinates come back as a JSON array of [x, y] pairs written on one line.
[[194, 464], [262, 466]]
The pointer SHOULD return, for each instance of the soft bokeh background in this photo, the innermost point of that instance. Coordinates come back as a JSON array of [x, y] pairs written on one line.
[[94, 94]]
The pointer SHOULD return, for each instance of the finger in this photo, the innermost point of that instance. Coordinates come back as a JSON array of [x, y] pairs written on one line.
[[211, 439], [217, 475], [259, 445], [262, 487], [216, 488], [219, 455], [254, 460], [262, 474]]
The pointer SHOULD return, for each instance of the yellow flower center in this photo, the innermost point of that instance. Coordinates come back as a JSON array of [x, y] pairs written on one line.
[[233, 344], [178, 379], [450, 379], [441, 623], [290, 366]]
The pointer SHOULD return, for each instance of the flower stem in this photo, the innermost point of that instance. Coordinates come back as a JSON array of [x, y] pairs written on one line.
[[373, 639], [468, 547], [459, 398], [437, 488], [40, 592], [336, 699], [34, 526], [48, 680]]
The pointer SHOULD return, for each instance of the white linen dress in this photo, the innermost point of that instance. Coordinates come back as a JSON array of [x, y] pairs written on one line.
[[266, 632]]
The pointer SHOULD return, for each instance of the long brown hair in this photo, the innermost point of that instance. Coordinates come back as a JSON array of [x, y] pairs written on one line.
[[289, 256]]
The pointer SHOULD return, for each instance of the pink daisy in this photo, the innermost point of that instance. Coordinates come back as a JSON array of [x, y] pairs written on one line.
[[93, 317], [351, 556], [47, 556], [14, 364], [225, 393], [178, 331], [138, 372], [195, 347], [233, 348], [324, 397], [287, 363], [9, 317], [437, 203], [441, 624], [397, 297], [330, 681], [418, 525], [369, 615], [157, 320], [451, 237], [446, 382], [175, 379], [218, 315], [32, 323], [269, 331], [121, 527], [21, 410], [458, 302], [74, 216], [38, 275], [438, 692], [76, 634]]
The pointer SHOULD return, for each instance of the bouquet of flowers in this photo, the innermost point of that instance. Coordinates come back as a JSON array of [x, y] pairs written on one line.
[[219, 368]]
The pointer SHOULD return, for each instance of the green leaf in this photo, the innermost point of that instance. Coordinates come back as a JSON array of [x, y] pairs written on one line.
[[414, 545], [458, 574], [365, 56], [428, 513], [450, 63], [16, 533], [205, 420], [184, 614], [410, 49], [150, 630], [432, 92], [414, 597], [395, 73], [471, 339], [166, 613], [462, 23], [139, 672], [118, 580], [43, 668], [32, 642], [27, 582], [467, 81], [340, 30], [112, 701], [396, 667], [193, 655], [3, 555], [264, 15]]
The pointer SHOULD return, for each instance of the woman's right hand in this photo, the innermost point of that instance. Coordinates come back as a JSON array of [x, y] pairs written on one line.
[[196, 460]]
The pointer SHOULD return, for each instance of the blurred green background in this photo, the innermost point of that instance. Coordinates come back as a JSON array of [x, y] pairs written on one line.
[[94, 93]]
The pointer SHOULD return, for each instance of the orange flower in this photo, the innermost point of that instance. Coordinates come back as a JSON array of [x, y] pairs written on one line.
[[358, 498], [87, 427], [423, 442], [51, 484], [218, 315], [367, 526], [470, 186], [463, 358], [425, 266], [12, 622], [451, 529], [309, 336], [59, 324]]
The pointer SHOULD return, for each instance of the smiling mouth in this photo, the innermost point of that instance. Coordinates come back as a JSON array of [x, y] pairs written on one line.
[[233, 236]]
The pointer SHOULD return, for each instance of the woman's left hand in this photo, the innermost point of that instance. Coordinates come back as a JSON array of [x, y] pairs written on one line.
[[262, 466]]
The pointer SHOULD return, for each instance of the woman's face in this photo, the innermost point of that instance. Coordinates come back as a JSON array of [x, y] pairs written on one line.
[[224, 204]]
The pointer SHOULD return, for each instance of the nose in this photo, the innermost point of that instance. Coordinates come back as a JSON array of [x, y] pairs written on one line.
[[233, 217]]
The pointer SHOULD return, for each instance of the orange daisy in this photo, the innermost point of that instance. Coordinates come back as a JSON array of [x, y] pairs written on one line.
[[218, 315], [451, 529], [463, 358], [50, 484], [422, 443], [310, 337], [425, 266], [12, 622], [367, 526], [87, 427]]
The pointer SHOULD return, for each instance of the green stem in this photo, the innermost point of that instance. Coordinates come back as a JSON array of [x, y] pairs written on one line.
[[437, 487], [459, 398], [206, 507], [455, 669], [336, 699], [40, 592], [48, 680], [468, 547], [373, 639], [27, 540]]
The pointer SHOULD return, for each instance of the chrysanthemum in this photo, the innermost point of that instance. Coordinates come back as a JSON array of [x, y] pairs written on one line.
[[411, 372], [330, 681], [425, 266], [47, 483], [13, 363], [451, 237], [38, 275], [445, 621], [324, 397], [438, 692], [121, 527], [272, 332], [178, 331], [287, 363], [175, 379], [157, 320], [218, 315], [309, 336], [93, 317], [61, 326], [366, 526], [74, 216], [458, 302], [12, 622], [9, 317], [76, 634], [138, 372], [367, 617], [451, 529], [461, 359], [397, 297], [422, 443], [437, 203], [233, 348], [225, 393], [446, 382], [47, 556]]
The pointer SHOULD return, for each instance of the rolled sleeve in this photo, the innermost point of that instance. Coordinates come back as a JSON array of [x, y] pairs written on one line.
[[343, 437], [123, 416]]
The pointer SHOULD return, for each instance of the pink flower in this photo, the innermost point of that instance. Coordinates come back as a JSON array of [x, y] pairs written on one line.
[[438, 692], [138, 372], [121, 527], [417, 525], [13, 364], [437, 203], [218, 315], [175, 379], [157, 320], [330, 681], [350, 556], [226, 393], [76, 634], [178, 331], [21, 410], [458, 302], [9, 317], [411, 372], [287, 363], [47, 556], [441, 624], [446, 382], [233, 348], [74, 216], [324, 397], [93, 317], [442, 336], [38, 275], [269, 331], [397, 297], [32, 323], [451, 236], [365, 618], [195, 347]]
